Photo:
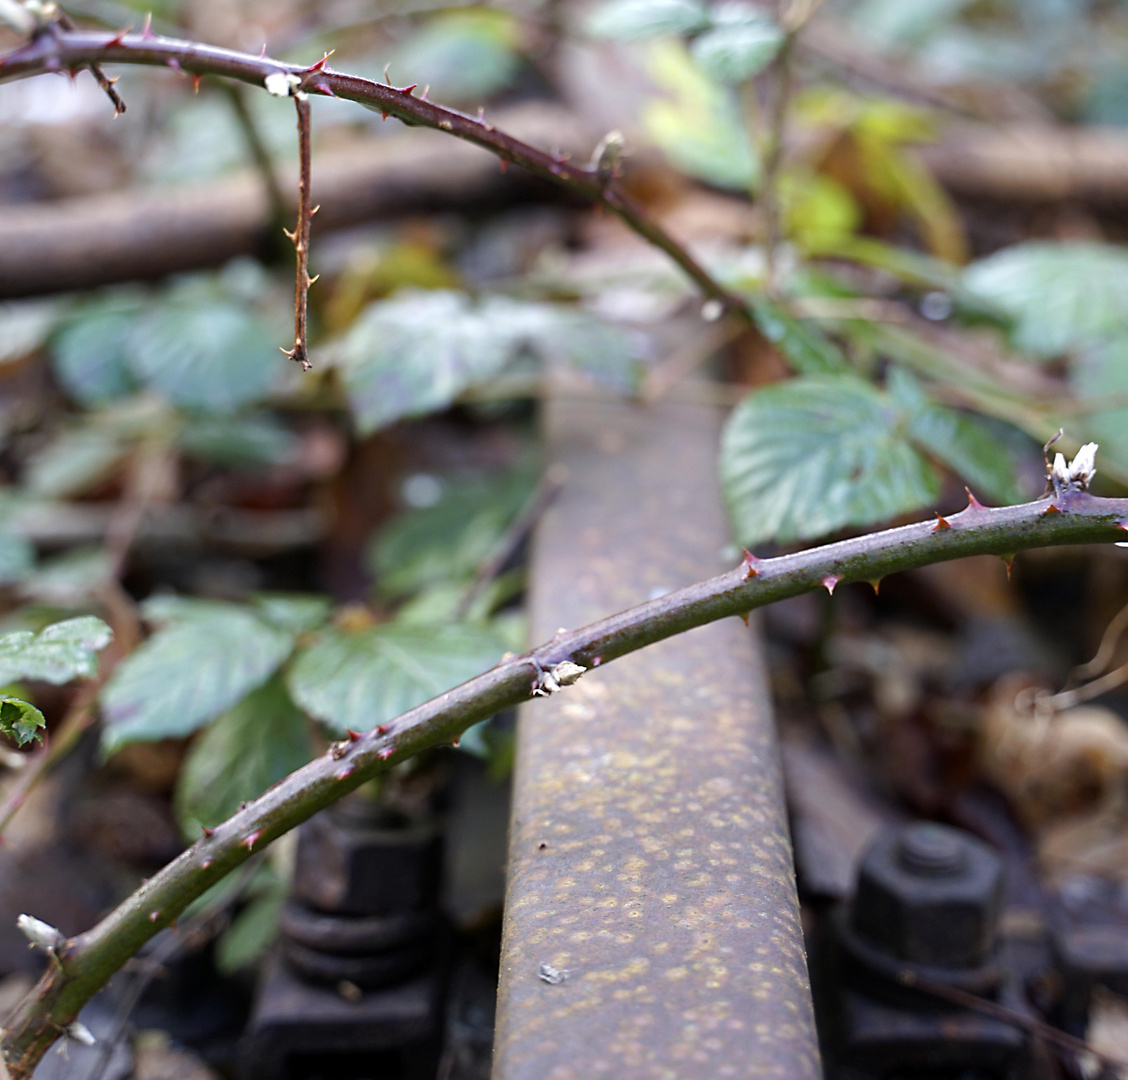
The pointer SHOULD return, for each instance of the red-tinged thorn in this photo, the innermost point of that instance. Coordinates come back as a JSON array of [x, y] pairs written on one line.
[[829, 582], [252, 839], [326, 89], [147, 29], [596, 661], [407, 89], [208, 832], [344, 774], [456, 741], [118, 38], [353, 735], [154, 915], [426, 91], [382, 729], [385, 753], [749, 564], [972, 502], [481, 114], [745, 616], [876, 585], [205, 864], [504, 164], [1051, 509], [383, 115], [262, 55], [195, 84], [321, 63], [1008, 562], [941, 523], [73, 72], [1122, 525]]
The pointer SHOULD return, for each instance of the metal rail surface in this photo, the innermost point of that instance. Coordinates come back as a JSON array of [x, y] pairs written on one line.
[[651, 923]]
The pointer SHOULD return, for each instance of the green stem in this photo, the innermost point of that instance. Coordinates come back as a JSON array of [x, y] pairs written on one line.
[[88, 960]]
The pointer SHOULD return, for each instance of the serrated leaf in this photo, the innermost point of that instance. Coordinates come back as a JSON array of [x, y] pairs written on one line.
[[20, 721], [637, 20], [203, 352], [447, 542], [246, 750], [57, 654], [89, 353], [417, 352], [739, 49], [805, 347], [966, 444], [1061, 296], [803, 458], [190, 671], [698, 127], [360, 680]]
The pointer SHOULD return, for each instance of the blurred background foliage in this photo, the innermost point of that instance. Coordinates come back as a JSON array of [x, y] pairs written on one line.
[[285, 556]]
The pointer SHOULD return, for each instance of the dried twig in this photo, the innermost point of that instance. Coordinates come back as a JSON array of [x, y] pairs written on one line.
[[300, 237]]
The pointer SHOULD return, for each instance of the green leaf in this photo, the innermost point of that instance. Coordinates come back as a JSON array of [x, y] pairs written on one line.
[[89, 353], [966, 444], [20, 721], [610, 355], [57, 654], [248, 442], [204, 352], [24, 327], [208, 657], [462, 55], [637, 20], [803, 458], [450, 540], [360, 680], [251, 932], [75, 462], [698, 126], [69, 579], [417, 352], [805, 347], [17, 558], [1061, 296], [294, 611], [246, 750], [740, 47]]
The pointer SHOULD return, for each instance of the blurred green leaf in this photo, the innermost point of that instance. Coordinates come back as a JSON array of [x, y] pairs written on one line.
[[462, 55], [57, 654], [805, 347], [251, 932], [742, 42], [637, 20], [1101, 374], [1061, 296], [24, 326], [200, 664], [965, 443], [803, 458], [698, 126], [17, 558], [204, 352], [294, 611], [363, 679], [20, 721], [243, 752], [89, 352], [248, 441], [447, 542], [74, 462]]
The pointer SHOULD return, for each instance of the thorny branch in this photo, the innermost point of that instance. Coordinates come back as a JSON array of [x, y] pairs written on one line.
[[300, 237], [56, 49], [86, 962]]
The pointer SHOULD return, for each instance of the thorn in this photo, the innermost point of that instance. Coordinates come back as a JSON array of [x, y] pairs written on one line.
[[456, 741], [1008, 561], [206, 863], [73, 72], [382, 729], [262, 55], [154, 915], [407, 90], [426, 91], [941, 523], [1122, 525], [1051, 509], [195, 84], [311, 213], [745, 616], [320, 63], [385, 753], [481, 114], [252, 839], [596, 661], [503, 164], [311, 280], [972, 502], [207, 832], [173, 63], [386, 79], [353, 735], [291, 236], [147, 29], [343, 774], [829, 582], [117, 39], [383, 115], [876, 586], [324, 88], [749, 564]]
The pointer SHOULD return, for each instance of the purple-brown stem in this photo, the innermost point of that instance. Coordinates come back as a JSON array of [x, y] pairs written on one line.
[[87, 961], [300, 237]]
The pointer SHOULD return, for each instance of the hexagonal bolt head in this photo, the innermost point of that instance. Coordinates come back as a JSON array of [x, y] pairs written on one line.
[[346, 868], [929, 894]]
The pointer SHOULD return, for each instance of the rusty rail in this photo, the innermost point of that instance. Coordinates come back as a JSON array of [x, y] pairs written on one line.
[[652, 927]]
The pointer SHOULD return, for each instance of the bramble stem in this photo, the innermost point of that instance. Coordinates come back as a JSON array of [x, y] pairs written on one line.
[[87, 961], [57, 49], [300, 237]]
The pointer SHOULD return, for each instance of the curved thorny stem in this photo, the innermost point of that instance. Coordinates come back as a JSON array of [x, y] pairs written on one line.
[[83, 964], [55, 49]]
